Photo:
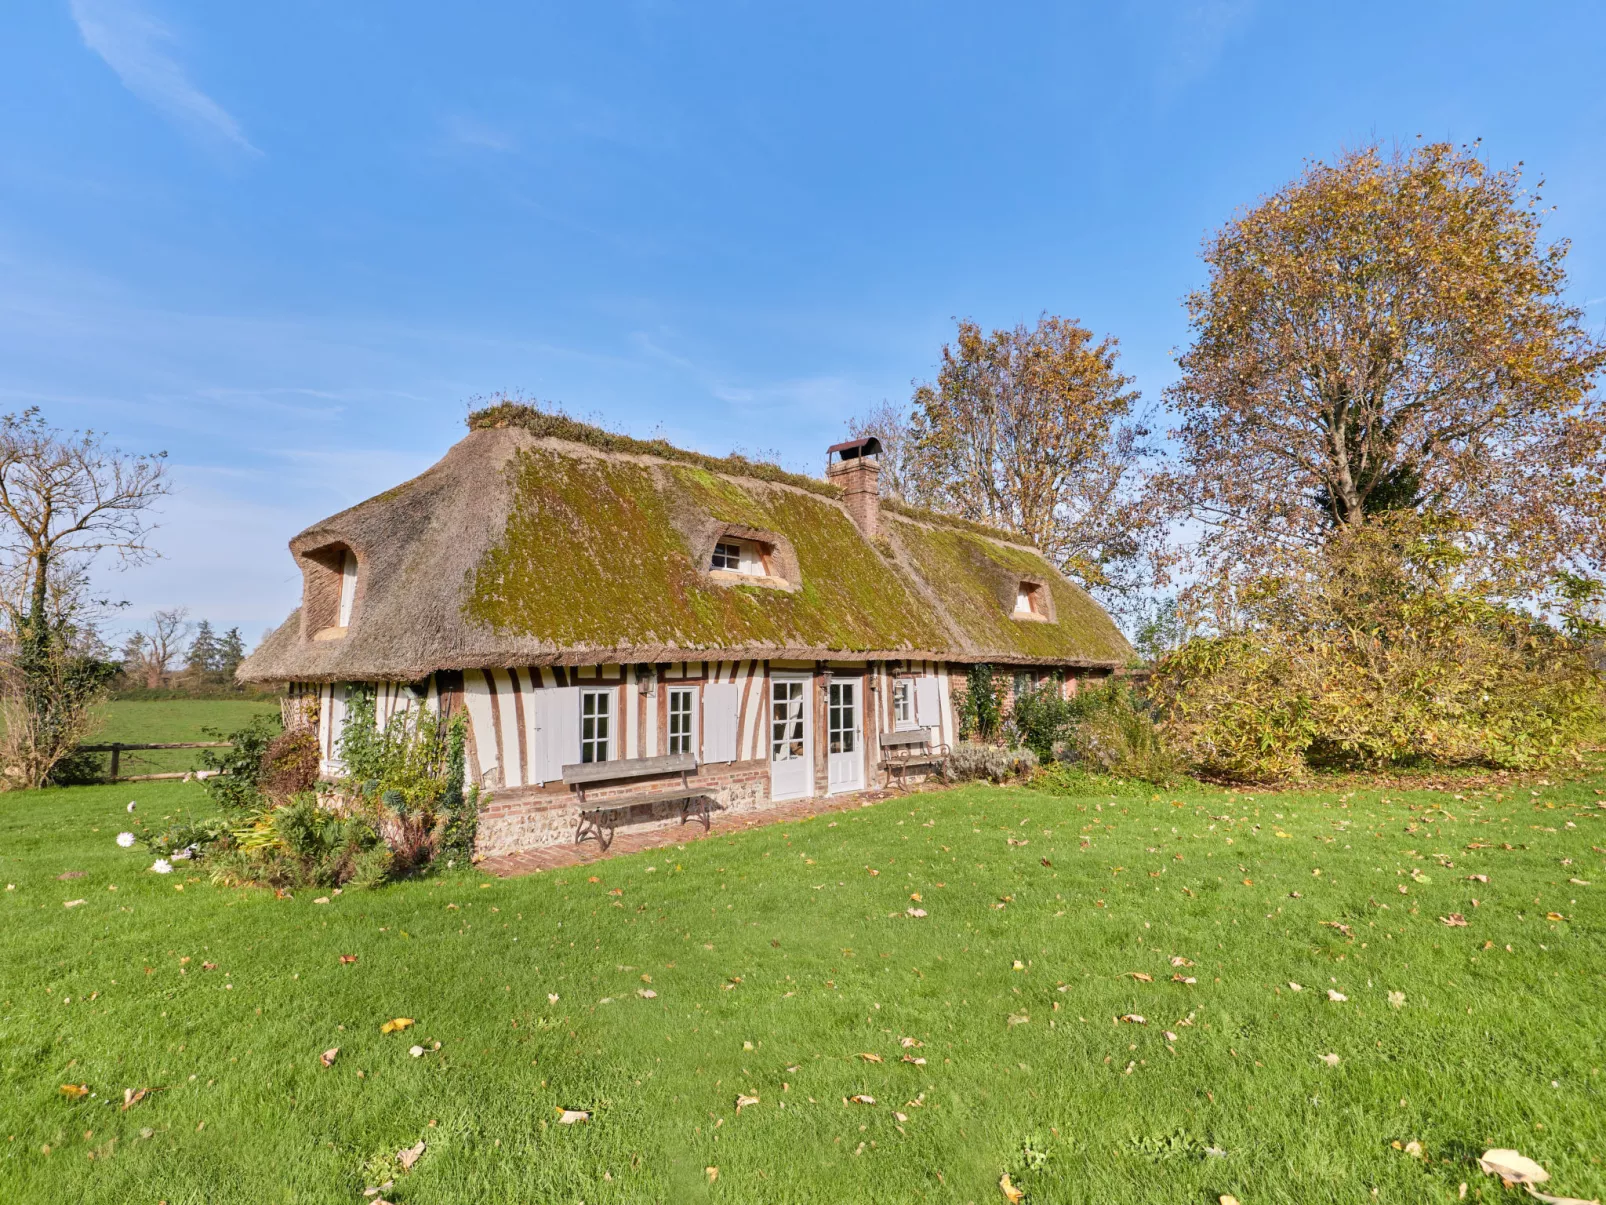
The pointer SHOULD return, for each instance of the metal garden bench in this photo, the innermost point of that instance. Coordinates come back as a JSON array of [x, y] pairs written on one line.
[[599, 820], [901, 750]]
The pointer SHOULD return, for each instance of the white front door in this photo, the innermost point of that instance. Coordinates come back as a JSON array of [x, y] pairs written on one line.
[[846, 771], [791, 738]]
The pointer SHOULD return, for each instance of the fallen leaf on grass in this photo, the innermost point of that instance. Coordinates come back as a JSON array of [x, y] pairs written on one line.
[[909, 1058], [1294, 987], [743, 1101], [1134, 1019], [1512, 1167], [396, 1025], [409, 1155], [1011, 1194], [73, 903], [1396, 999], [75, 1091], [1455, 920], [416, 1051], [1141, 977], [328, 1057], [712, 1173], [646, 993], [567, 1117], [1330, 1059], [1579, 882], [1183, 979], [1478, 878], [859, 1100], [1018, 1018], [1341, 927], [1554, 916], [1180, 961], [1169, 1036], [917, 913], [870, 1058], [132, 1098], [910, 1043], [322, 899], [1227, 1198], [1336, 997], [347, 959]]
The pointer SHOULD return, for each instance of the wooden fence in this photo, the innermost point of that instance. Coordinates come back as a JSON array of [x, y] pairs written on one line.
[[117, 748]]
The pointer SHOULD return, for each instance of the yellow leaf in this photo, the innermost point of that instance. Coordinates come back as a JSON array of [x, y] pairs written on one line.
[[870, 1058], [1011, 1194], [74, 1091], [396, 1025], [1141, 977]]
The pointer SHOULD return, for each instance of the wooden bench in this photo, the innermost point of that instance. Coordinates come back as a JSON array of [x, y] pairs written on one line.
[[900, 750], [599, 821]]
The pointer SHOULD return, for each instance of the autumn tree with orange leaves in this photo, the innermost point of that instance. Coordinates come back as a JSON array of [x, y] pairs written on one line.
[[1392, 462]]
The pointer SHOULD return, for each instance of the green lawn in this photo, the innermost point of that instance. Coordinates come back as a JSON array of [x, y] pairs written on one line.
[[160, 721], [779, 958]]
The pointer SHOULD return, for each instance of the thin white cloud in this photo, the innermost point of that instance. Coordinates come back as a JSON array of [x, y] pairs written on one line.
[[477, 135], [135, 46]]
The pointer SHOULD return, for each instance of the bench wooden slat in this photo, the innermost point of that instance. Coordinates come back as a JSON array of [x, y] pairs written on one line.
[[913, 736], [631, 767], [626, 802]]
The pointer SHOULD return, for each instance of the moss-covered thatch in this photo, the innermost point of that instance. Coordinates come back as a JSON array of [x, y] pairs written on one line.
[[523, 548]]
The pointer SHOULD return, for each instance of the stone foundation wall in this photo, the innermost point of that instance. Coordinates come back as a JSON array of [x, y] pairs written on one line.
[[530, 817]]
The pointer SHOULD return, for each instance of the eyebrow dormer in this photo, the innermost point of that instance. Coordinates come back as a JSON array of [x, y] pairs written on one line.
[[746, 556], [331, 590]]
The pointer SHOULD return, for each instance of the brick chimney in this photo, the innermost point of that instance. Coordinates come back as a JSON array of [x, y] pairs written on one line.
[[855, 466]]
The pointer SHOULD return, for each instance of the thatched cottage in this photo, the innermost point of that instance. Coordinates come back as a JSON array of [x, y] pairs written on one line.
[[632, 628]]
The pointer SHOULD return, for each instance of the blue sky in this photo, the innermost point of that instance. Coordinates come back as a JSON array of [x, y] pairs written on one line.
[[287, 242]]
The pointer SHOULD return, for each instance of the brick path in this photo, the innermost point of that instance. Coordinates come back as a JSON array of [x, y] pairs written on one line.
[[551, 857]]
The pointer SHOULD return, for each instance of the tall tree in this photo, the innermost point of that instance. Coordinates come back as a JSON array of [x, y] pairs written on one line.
[[155, 650], [230, 652], [204, 654], [66, 499], [1390, 332], [1033, 429]]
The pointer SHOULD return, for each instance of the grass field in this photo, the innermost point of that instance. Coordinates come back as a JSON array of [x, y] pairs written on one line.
[[652, 990], [160, 721]]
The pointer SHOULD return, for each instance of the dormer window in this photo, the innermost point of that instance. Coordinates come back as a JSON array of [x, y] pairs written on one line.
[[331, 585], [748, 556], [348, 587], [1031, 601], [741, 556]]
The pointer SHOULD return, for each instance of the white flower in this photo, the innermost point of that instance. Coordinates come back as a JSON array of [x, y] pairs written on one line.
[[185, 854], [126, 840], [162, 866], [131, 805]]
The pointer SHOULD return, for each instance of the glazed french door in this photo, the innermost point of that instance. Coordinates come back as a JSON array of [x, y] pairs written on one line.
[[846, 745], [791, 738]]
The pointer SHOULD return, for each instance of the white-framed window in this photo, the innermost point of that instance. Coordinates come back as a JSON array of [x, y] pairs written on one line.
[[348, 588], [682, 719], [740, 556], [903, 704], [596, 725]]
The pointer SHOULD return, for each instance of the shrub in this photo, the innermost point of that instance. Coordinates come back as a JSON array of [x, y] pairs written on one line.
[[235, 787], [976, 705], [298, 844], [969, 761], [1042, 718], [289, 765], [1392, 645], [1113, 731]]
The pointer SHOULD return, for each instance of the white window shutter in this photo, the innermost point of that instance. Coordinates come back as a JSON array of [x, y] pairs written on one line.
[[721, 701], [557, 731], [928, 712]]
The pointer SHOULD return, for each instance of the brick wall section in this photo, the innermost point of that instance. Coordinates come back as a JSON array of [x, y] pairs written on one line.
[[531, 817]]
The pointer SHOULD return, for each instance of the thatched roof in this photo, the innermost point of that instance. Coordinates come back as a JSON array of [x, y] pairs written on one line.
[[523, 548]]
